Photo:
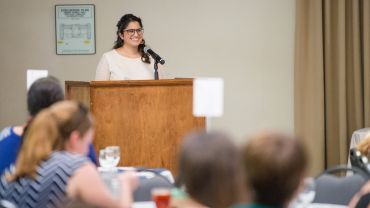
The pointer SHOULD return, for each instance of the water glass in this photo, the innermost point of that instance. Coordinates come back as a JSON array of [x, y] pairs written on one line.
[[114, 154], [104, 159]]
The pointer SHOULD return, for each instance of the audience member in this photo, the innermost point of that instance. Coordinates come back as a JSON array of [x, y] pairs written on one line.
[[51, 168], [364, 146], [362, 198], [275, 166], [42, 93], [210, 171]]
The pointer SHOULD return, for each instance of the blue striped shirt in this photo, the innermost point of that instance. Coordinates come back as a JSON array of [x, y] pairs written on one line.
[[10, 144], [49, 187]]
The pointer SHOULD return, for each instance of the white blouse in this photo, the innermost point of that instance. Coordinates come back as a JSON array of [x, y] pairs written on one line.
[[114, 66]]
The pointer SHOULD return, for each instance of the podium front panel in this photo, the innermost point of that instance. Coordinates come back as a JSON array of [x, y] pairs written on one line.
[[147, 119]]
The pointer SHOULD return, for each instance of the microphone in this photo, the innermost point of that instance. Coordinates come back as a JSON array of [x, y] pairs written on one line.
[[155, 56]]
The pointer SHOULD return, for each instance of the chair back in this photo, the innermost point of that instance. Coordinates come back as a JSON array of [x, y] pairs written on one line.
[[332, 189]]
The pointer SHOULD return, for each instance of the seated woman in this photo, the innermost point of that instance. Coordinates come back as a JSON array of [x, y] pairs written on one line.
[[43, 93], [51, 169], [362, 198], [275, 166], [210, 172], [364, 146], [359, 155]]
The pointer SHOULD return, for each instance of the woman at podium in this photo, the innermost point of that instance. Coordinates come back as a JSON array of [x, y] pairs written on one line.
[[127, 60]]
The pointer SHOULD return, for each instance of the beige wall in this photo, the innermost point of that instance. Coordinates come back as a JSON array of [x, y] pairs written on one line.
[[247, 42]]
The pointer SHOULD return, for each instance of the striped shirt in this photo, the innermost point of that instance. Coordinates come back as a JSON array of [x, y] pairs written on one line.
[[49, 188]]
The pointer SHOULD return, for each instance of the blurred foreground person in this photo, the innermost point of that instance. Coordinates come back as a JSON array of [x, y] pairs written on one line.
[[362, 198], [51, 169], [210, 172], [275, 166], [42, 93], [364, 146]]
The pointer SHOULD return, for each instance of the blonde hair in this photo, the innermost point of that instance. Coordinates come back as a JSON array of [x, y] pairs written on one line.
[[48, 132], [364, 145]]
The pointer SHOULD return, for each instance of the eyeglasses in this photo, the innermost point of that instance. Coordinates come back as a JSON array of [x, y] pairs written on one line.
[[131, 32]]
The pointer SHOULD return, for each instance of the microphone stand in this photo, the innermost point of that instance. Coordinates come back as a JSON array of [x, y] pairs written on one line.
[[156, 76]]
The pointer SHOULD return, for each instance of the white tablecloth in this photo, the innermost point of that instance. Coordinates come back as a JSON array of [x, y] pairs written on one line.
[[143, 173], [148, 204]]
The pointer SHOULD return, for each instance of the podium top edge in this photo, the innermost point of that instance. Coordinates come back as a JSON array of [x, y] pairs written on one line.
[[176, 81]]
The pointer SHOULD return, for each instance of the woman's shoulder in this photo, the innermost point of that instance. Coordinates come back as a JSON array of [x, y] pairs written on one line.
[[110, 53], [179, 199], [68, 155], [8, 133], [66, 159], [185, 202], [5, 133], [61, 163], [114, 56]]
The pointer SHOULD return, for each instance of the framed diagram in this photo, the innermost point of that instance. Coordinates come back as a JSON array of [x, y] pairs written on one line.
[[75, 29]]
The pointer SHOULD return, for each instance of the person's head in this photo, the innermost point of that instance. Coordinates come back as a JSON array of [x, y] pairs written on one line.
[[43, 93], [364, 145], [210, 169], [130, 32], [66, 125], [275, 165]]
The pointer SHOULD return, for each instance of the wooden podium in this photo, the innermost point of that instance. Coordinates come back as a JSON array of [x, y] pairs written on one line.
[[147, 119]]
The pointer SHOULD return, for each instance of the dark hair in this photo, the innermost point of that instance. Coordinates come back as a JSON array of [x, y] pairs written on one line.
[[210, 170], [275, 164], [43, 93], [121, 26]]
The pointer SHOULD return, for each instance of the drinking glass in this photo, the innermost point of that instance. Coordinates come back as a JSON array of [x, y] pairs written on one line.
[[161, 197], [104, 159], [114, 154]]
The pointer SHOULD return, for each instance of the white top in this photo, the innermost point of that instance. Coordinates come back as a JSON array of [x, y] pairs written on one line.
[[114, 66]]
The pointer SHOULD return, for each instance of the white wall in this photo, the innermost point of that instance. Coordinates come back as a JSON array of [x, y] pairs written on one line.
[[247, 42]]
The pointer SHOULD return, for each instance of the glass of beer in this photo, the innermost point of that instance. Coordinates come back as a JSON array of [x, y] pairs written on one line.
[[161, 197]]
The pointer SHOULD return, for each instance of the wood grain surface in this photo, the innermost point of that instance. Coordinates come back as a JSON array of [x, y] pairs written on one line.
[[147, 119]]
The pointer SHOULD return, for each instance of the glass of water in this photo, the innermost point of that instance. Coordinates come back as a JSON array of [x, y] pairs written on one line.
[[104, 159], [114, 154]]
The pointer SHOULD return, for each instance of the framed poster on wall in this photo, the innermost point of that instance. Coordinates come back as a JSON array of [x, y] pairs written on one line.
[[75, 29]]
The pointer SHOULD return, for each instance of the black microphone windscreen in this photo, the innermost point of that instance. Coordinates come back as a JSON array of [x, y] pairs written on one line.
[[146, 48]]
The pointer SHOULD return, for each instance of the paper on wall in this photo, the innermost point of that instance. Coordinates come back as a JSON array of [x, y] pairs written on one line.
[[35, 74]]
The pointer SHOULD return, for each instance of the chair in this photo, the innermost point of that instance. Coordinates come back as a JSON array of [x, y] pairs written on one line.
[[331, 189]]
